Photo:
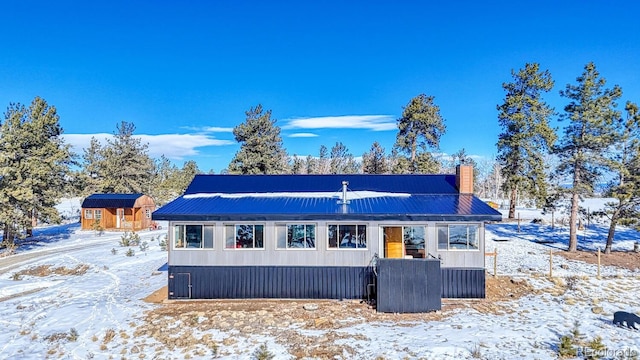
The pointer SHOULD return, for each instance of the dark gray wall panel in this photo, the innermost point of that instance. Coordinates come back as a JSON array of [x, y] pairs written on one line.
[[463, 283], [406, 286], [286, 282]]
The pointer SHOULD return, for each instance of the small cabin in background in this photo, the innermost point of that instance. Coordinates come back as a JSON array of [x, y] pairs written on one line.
[[125, 212]]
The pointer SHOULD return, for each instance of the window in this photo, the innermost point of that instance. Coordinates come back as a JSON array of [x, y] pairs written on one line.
[[458, 237], [88, 214], [244, 236], [98, 214], [147, 213], [414, 241], [193, 236], [296, 236], [347, 236]]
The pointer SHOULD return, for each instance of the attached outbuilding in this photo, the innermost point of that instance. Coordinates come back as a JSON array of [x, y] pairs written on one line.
[[124, 212], [405, 241]]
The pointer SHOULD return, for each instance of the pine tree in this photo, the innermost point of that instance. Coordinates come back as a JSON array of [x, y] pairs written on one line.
[[527, 135], [420, 129], [375, 161], [587, 137], [323, 165], [35, 166], [92, 164], [164, 181], [342, 161], [298, 165], [126, 165], [625, 187], [261, 150]]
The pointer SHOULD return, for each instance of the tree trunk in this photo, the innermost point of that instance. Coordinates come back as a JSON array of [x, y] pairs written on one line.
[[512, 204], [612, 231], [573, 233]]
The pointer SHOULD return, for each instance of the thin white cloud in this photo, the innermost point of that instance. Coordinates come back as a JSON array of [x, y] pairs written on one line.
[[369, 122], [209, 129], [303, 135], [173, 146]]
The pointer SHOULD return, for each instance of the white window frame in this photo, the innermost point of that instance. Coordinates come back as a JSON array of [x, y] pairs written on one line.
[[448, 226], [202, 236], [284, 227], [235, 232], [97, 214], [88, 214], [147, 213], [357, 248]]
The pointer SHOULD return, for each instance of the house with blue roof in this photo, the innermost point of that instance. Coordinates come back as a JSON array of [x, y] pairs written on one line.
[[120, 212], [403, 240]]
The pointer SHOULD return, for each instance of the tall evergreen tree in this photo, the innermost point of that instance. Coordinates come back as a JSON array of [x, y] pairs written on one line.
[[526, 134], [261, 150], [420, 129], [625, 187], [590, 132], [375, 161], [35, 167], [126, 165]]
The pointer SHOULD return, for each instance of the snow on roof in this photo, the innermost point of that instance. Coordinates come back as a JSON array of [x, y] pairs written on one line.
[[307, 195]]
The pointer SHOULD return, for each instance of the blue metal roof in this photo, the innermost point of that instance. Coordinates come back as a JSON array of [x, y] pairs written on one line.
[[433, 198], [446, 207], [110, 201]]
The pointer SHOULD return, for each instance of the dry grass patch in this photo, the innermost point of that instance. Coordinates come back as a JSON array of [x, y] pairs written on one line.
[[48, 270]]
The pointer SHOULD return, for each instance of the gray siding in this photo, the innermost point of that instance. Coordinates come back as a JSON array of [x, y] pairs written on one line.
[[321, 255]]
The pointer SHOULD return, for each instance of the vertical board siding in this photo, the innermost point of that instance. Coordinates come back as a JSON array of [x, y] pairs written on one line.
[[462, 283], [287, 282], [408, 286]]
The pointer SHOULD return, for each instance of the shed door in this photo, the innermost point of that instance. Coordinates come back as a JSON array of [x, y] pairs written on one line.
[[180, 286], [119, 218], [393, 242]]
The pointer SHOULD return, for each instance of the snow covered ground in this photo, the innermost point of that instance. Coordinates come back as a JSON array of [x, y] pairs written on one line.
[[95, 312]]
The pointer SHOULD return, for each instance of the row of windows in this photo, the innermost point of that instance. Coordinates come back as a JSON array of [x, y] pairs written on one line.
[[303, 236], [97, 213]]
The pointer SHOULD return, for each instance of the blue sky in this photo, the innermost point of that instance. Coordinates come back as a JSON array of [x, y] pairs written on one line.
[[185, 72]]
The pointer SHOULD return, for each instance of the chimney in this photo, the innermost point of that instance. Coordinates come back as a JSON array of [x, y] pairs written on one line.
[[464, 179], [344, 200]]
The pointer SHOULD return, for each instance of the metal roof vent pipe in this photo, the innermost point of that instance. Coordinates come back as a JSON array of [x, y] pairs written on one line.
[[344, 200]]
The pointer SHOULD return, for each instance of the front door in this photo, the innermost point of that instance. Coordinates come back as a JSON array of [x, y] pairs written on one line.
[[393, 242], [119, 218]]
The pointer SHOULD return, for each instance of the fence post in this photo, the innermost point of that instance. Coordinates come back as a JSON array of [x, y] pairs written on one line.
[[550, 263], [598, 262], [495, 262]]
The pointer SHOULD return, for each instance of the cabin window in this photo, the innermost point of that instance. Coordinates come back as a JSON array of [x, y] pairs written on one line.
[[244, 236], [147, 213], [88, 214], [458, 237], [193, 236], [413, 237], [347, 236], [296, 236], [98, 214]]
